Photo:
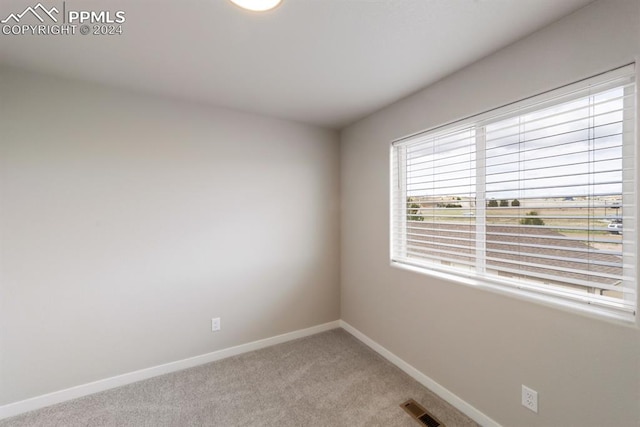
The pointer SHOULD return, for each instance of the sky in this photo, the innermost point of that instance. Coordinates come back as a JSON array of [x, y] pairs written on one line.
[[569, 150]]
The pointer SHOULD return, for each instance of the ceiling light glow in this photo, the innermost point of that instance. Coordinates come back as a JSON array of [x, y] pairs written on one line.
[[257, 5]]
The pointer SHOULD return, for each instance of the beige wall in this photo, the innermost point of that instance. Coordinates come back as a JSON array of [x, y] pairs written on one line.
[[480, 345], [128, 222]]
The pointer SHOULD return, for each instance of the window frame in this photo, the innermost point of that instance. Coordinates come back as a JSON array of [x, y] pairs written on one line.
[[529, 292]]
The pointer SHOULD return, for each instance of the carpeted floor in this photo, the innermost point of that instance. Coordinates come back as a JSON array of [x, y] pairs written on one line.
[[329, 379]]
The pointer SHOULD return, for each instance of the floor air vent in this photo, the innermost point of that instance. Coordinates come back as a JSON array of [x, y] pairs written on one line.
[[420, 414]]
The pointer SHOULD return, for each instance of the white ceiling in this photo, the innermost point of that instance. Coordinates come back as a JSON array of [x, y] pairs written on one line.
[[325, 62]]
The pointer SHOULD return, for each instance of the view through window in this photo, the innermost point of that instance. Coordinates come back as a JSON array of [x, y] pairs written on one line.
[[539, 198]]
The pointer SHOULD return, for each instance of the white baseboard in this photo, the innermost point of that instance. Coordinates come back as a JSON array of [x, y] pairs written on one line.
[[44, 400], [429, 383], [49, 399]]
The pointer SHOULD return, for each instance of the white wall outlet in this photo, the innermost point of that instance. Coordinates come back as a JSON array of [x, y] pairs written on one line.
[[215, 324], [529, 398]]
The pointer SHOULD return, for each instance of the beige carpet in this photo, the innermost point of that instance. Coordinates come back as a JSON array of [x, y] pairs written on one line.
[[329, 379]]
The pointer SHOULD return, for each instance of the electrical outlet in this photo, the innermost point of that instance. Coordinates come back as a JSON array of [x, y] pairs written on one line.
[[529, 398], [215, 324]]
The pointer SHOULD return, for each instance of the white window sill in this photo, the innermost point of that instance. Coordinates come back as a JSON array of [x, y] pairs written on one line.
[[564, 304]]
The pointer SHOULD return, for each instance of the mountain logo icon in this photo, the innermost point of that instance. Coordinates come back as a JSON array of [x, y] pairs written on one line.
[[38, 11]]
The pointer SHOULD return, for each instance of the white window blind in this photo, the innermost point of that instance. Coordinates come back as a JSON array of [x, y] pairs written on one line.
[[538, 197]]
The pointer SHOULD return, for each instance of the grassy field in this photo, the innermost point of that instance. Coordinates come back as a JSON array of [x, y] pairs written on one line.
[[585, 224]]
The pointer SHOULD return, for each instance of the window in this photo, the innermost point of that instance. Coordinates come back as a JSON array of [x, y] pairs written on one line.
[[538, 197]]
